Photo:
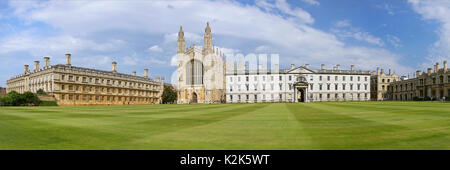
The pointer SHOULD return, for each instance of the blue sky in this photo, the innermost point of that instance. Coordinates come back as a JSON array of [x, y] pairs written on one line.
[[405, 35]]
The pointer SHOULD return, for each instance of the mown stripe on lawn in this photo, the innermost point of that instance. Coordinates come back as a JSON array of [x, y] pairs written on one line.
[[159, 126], [34, 134], [331, 130]]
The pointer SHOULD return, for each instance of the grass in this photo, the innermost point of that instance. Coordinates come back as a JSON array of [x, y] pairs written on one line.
[[326, 125]]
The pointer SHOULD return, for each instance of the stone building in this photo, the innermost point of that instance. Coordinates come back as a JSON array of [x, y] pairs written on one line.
[[434, 85], [2, 91], [379, 83], [73, 85], [297, 84], [201, 76]]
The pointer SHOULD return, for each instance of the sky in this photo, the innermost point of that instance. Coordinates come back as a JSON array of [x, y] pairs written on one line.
[[404, 35]]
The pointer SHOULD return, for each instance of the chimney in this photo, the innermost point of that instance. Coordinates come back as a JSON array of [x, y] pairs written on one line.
[[417, 73], [292, 66], [276, 67], [46, 62], [36, 66], [445, 66], [378, 70], [25, 69], [114, 66], [260, 67], [68, 59], [307, 66], [352, 67], [382, 71], [338, 67], [134, 73], [322, 67], [429, 71], [146, 73], [437, 68], [157, 79], [162, 80], [389, 71]]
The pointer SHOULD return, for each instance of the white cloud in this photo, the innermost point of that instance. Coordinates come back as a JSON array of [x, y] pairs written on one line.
[[174, 60], [262, 48], [155, 48], [281, 5], [344, 29], [312, 2], [342, 23], [437, 10], [394, 40], [387, 7]]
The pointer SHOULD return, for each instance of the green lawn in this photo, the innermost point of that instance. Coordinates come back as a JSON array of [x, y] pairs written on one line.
[[326, 125]]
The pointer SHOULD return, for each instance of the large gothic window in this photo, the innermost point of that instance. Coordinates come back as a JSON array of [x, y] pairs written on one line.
[[194, 70]]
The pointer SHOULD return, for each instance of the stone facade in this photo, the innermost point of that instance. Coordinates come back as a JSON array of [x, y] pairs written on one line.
[[434, 84], [201, 76], [72, 85], [2, 91], [297, 84], [379, 83]]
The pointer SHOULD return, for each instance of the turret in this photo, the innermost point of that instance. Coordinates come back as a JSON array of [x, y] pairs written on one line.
[[181, 41], [445, 66], [436, 67], [207, 40], [134, 73]]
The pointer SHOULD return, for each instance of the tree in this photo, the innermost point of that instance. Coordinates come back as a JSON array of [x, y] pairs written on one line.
[[168, 96], [40, 92], [5, 101], [31, 98], [17, 99]]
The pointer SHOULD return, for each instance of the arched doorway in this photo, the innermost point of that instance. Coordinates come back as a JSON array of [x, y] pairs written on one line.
[[301, 95], [194, 98]]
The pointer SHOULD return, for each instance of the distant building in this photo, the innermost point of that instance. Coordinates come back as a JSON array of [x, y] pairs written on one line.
[[83, 86], [2, 91], [379, 83], [297, 84], [201, 71], [434, 84]]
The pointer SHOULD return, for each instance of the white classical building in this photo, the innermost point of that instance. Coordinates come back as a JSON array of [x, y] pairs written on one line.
[[297, 84]]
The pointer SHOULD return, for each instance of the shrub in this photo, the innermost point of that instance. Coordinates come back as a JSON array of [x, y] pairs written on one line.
[[41, 92], [48, 103], [5, 101], [31, 98], [17, 99], [417, 99]]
